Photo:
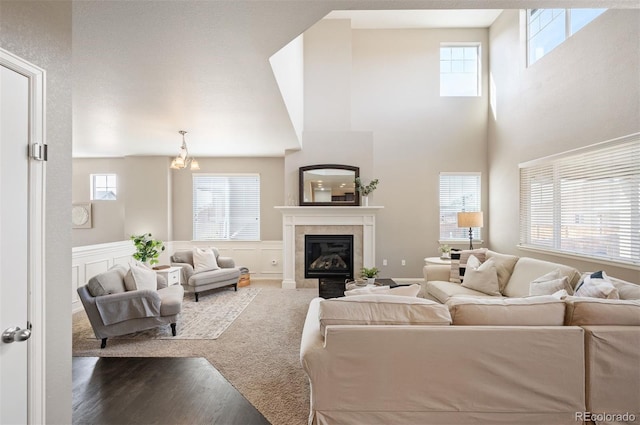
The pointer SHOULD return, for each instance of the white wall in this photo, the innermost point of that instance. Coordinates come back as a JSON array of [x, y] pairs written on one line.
[[583, 92], [40, 32], [107, 216], [372, 100]]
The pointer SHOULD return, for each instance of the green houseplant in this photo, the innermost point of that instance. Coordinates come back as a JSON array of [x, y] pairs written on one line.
[[365, 190], [369, 274], [147, 249]]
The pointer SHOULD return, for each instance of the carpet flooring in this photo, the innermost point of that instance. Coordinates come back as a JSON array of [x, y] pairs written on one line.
[[259, 353]]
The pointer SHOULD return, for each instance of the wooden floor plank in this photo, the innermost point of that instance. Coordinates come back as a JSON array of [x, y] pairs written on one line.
[[156, 390]]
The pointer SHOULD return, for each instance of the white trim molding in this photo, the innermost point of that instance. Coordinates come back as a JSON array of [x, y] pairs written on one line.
[[325, 216]]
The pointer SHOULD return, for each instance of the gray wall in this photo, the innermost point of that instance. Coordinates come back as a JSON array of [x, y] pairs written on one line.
[[372, 100], [40, 32], [583, 92], [107, 216]]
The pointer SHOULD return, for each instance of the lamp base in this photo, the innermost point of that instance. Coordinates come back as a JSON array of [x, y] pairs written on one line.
[[470, 238]]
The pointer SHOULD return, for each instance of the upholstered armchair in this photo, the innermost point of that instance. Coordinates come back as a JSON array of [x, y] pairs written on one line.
[[197, 278], [125, 299]]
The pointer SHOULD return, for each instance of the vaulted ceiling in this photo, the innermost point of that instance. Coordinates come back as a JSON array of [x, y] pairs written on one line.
[[142, 70]]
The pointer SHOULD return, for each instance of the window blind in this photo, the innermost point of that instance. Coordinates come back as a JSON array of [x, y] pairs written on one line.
[[226, 207], [584, 202], [458, 192]]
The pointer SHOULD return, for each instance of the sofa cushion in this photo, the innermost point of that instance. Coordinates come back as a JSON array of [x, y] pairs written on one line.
[[442, 290], [404, 290], [598, 311], [626, 290], [204, 260], [109, 282], [183, 256], [596, 285], [214, 276], [140, 277], [532, 311], [459, 262], [374, 309], [528, 269], [171, 300], [504, 266], [549, 284], [481, 277]]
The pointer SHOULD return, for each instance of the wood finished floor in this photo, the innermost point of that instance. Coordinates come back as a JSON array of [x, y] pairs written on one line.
[[152, 390]]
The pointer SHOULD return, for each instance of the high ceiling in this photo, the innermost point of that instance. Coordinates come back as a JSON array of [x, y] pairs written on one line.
[[144, 70]]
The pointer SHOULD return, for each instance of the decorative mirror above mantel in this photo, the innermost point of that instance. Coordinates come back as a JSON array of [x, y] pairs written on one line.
[[328, 185]]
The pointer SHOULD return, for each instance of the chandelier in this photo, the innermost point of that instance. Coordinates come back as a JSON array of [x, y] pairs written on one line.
[[184, 160]]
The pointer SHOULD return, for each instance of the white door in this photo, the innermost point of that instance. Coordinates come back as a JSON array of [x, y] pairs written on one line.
[[14, 238]]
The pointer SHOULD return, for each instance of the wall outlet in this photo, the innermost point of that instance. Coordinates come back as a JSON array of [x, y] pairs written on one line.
[[384, 262], [404, 263]]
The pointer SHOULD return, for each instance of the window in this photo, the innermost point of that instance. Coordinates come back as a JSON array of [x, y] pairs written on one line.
[[458, 192], [585, 202], [460, 70], [103, 187], [226, 207], [547, 28]]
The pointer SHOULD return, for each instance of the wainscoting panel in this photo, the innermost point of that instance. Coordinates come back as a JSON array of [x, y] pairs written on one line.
[[262, 258]]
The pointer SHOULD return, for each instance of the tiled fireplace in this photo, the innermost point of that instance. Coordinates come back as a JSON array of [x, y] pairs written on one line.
[[300, 221]]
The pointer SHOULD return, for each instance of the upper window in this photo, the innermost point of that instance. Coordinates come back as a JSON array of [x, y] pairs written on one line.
[[547, 28], [103, 187], [460, 69], [226, 207], [458, 192], [585, 202]]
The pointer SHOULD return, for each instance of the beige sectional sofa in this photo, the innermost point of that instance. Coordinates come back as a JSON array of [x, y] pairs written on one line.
[[493, 360]]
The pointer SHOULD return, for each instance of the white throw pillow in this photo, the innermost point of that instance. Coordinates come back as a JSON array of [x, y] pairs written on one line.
[[406, 291], [549, 284], [204, 260], [597, 285], [483, 278], [140, 277]]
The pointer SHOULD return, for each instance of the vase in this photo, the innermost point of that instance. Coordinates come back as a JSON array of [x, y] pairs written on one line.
[[365, 201]]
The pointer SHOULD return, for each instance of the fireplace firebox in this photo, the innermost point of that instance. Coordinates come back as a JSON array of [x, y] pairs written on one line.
[[328, 256]]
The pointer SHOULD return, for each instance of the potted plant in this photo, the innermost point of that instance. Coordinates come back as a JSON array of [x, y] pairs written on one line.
[[369, 274], [147, 249], [365, 190], [445, 251]]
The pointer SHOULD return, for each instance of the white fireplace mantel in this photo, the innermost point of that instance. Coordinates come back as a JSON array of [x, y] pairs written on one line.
[[325, 216]]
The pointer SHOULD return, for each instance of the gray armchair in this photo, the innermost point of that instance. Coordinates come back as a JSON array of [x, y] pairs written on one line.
[[114, 311], [227, 275]]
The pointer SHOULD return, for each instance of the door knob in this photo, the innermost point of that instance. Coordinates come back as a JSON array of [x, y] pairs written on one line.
[[15, 334]]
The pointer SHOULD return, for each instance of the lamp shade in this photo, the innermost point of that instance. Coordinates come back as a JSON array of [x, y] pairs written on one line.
[[470, 219]]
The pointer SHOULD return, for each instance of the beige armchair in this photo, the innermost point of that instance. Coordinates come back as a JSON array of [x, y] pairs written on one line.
[[227, 275], [114, 311]]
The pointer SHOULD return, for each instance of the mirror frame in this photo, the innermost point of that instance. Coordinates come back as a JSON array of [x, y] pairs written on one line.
[[356, 198]]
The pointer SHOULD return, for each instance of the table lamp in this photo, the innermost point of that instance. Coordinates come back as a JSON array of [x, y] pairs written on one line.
[[470, 220]]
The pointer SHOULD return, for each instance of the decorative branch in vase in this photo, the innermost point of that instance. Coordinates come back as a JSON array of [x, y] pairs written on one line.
[[365, 190]]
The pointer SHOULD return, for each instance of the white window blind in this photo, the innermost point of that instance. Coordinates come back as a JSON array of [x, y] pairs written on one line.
[[585, 202], [226, 207], [458, 192]]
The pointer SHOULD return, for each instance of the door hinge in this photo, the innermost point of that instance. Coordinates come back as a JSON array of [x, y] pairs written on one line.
[[39, 151]]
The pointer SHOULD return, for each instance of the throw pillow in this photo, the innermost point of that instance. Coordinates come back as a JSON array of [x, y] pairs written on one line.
[[550, 283], [375, 309], [596, 285], [109, 282], [504, 265], [204, 260], [483, 277], [140, 277], [459, 262]]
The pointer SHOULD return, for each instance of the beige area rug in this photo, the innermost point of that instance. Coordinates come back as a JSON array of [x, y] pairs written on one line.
[[259, 353], [205, 319]]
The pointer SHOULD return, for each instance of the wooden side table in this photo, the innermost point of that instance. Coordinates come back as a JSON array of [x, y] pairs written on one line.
[[172, 274]]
